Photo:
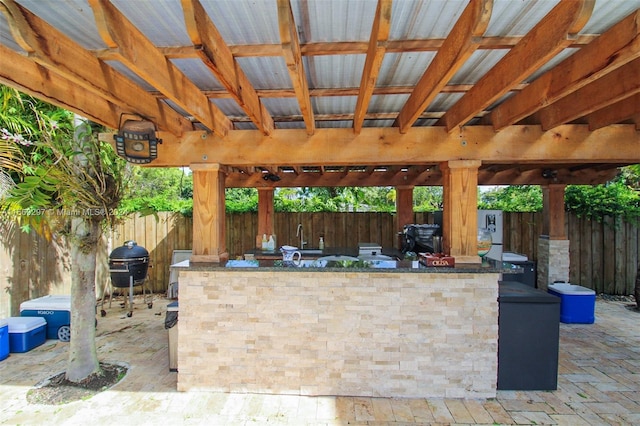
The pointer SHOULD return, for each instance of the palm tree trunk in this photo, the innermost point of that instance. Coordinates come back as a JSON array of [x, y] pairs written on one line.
[[636, 292], [83, 358]]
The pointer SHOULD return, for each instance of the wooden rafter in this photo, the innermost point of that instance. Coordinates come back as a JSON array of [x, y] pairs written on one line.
[[217, 56], [54, 51], [375, 55], [29, 77], [623, 110], [458, 46], [293, 59], [614, 48], [550, 36], [142, 57], [613, 87]]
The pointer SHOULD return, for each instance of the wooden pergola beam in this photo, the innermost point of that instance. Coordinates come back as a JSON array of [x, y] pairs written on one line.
[[373, 62], [293, 59], [614, 48], [56, 52], [217, 56], [321, 48], [459, 45], [571, 144], [616, 86], [141, 56], [418, 177], [545, 40], [620, 111]]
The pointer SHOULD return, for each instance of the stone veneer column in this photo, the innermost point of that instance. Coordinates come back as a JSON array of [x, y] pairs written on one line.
[[553, 261], [553, 245]]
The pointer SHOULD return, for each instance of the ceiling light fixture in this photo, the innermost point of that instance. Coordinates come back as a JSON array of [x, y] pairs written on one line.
[[136, 140], [271, 177], [549, 173]]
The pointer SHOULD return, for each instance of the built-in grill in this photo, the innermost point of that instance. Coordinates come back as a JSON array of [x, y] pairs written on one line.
[[128, 267], [420, 238]]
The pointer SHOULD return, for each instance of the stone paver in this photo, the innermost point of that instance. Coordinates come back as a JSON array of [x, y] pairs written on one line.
[[598, 384]]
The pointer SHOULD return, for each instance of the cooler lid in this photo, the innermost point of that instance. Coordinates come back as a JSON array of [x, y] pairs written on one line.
[[369, 246], [513, 257], [516, 292], [571, 289], [3, 322], [54, 303], [25, 324]]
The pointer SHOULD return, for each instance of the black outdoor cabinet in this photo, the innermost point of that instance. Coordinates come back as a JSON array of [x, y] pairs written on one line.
[[528, 338], [528, 275]]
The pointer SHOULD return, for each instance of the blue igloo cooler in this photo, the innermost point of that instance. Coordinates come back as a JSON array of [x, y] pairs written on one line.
[[56, 310], [26, 333], [577, 303], [4, 339]]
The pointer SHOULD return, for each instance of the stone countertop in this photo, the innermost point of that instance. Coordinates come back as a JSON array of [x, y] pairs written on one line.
[[327, 251], [403, 267]]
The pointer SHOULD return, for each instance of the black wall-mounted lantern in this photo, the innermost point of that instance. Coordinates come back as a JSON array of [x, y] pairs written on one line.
[[136, 140]]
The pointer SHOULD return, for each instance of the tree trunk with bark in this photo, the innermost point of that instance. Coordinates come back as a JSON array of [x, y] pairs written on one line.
[[83, 357], [636, 292]]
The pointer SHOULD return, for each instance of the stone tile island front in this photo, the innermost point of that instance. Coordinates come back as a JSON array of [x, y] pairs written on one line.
[[378, 333]]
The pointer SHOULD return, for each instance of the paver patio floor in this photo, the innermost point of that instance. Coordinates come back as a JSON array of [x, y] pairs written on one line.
[[598, 384]]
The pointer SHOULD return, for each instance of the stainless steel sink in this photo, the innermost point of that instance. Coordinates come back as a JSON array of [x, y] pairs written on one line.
[[310, 251]]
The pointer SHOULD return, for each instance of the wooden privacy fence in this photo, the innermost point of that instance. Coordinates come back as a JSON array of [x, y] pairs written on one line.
[[604, 255]]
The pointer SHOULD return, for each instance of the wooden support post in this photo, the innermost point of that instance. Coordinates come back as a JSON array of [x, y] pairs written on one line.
[[404, 207], [460, 210], [209, 243], [265, 214], [553, 211]]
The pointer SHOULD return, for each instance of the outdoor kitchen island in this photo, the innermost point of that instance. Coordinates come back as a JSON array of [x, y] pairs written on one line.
[[427, 332]]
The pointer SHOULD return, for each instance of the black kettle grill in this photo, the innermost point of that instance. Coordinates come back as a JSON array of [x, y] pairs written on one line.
[[419, 238], [127, 261], [128, 266]]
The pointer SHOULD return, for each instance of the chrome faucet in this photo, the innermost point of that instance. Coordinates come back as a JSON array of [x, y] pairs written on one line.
[[300, 234]]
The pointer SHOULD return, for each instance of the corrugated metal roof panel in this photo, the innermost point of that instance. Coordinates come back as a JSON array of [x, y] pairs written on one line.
[[161, 21], [282, 106], [229, 107], [516, 18], [245, 21], [334, 104], [6, 39], [386, 103], [74, 18], [444, 101], [424, 19], [245, 125], [552, 63], [198, 73], [403, 69], [607, 11], [333, 20], [334, 71], [290, 125], [480, 62], [123, 69], [342, 124], [266, 72], [378, 123]]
